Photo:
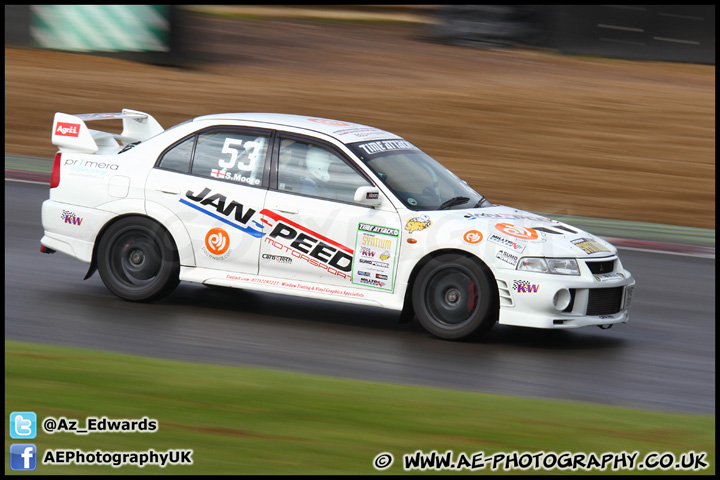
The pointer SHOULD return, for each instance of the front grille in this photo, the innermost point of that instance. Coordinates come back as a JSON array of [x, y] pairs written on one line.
[[601, 267], [604, 301]]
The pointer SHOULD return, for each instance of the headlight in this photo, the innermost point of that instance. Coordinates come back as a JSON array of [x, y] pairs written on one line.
[[563, 266], [557, 266]]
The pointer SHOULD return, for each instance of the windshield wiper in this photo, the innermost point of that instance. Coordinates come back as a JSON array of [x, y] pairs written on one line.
[[481, 201], [452, 202]]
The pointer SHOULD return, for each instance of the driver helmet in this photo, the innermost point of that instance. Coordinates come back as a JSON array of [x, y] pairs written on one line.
[[317, 163]]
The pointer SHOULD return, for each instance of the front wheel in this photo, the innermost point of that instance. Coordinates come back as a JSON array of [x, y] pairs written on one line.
[[137, 260], [454, 298]]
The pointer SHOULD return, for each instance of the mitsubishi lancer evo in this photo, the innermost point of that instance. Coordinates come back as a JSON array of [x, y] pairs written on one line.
[[318, 208]]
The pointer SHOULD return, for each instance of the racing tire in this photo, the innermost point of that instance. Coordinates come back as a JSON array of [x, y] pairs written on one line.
[[454, 298], [138, 260]]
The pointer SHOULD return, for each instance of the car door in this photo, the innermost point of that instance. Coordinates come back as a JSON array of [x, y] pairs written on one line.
[[316, 231], [215, 182]]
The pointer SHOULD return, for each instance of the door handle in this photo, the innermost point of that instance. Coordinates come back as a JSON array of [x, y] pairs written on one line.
[[170, 190], [285, 209]]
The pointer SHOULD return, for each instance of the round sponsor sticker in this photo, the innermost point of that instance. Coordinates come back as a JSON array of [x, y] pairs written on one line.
[[217, 241], [517, 232], [473, 236]]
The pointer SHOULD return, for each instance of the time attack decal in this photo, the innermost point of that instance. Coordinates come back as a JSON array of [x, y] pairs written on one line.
[[376, 250]]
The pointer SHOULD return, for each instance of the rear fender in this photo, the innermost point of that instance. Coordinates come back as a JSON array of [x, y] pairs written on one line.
[[175, 226], [166, 219]]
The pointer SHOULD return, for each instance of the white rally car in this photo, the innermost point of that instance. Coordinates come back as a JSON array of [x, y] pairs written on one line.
[[317, 208]]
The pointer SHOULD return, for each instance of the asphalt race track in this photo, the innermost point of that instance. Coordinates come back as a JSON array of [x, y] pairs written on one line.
[[664, 359]]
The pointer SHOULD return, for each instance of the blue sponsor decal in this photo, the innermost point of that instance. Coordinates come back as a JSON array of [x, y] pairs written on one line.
[[248, 230]]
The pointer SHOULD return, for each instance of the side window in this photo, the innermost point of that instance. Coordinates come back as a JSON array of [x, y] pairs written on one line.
[[231, 156], [178, 157], [314, 170]]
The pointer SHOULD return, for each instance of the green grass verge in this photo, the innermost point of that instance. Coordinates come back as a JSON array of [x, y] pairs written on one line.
[[255, 421]]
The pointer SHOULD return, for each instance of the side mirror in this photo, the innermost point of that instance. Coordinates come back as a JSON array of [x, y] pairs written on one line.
[[368, 196]]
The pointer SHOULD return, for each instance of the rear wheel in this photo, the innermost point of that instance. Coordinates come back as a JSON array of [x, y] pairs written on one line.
[[137, 260], [454, 298]]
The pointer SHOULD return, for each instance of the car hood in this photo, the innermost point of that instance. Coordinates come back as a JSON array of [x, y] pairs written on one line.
[[501, 228]]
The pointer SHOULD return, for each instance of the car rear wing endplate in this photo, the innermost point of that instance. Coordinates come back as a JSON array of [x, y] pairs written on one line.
[[71, 134]]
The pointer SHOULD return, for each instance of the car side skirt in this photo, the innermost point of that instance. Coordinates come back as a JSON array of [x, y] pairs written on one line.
[[336, 293]]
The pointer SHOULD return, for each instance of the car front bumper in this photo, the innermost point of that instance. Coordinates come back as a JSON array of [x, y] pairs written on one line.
[[537, 300]]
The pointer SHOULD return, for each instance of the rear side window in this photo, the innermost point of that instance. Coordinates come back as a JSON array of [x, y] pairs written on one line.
[[231, 155], [234, 155], [178, 158]]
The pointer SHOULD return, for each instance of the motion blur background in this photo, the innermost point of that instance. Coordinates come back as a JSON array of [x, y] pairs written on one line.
[[597, 111], [601, 111]]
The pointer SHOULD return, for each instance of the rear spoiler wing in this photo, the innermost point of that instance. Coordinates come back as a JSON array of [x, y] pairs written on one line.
[[71, 134]]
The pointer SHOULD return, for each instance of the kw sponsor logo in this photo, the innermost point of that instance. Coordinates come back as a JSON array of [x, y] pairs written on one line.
[[216, 206], [67, 129], [524, 286], [307, 245], [71, 218]]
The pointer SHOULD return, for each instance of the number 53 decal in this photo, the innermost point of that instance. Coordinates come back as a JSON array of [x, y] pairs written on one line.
[[250, 151]]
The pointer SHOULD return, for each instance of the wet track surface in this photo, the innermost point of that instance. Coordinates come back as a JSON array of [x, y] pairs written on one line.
[[664, 359]]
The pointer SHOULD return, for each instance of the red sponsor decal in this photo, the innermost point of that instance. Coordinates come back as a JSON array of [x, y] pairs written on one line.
[[517, 232], [67, 129], [278, 217]]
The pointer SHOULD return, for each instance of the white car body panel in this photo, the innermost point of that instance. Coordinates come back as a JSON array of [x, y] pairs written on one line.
[[250, 236]]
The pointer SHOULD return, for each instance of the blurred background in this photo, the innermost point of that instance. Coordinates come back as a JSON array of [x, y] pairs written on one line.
[[597, 111]]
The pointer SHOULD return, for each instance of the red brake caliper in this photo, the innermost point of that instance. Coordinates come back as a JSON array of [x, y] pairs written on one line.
[[472, 296]]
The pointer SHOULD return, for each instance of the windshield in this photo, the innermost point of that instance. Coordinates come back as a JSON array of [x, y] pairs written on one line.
[[417, 179]]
